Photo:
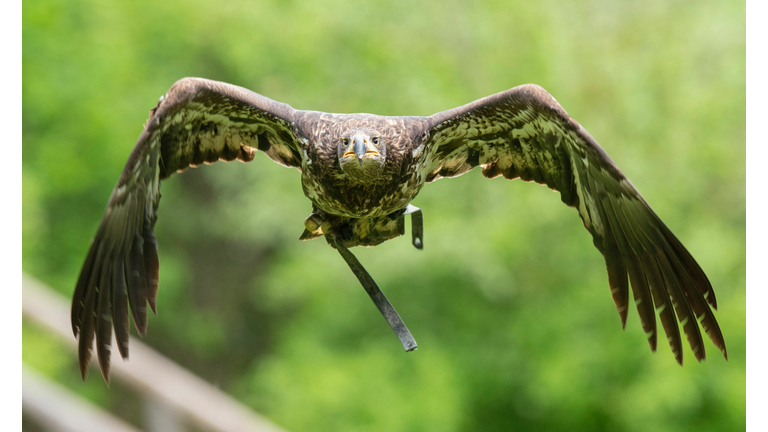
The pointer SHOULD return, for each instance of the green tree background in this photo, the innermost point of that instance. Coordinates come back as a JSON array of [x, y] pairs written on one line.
[[509, 300]]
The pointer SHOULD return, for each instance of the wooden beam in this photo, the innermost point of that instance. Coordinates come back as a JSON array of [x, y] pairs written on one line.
[[150, 373], [58, 409]]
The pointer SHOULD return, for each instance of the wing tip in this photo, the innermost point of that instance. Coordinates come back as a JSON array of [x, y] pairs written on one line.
[[141, 329], [104, 366], [652, 339], [83, 358]]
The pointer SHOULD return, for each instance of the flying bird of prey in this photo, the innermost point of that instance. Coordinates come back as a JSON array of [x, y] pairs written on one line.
[[361, 171]]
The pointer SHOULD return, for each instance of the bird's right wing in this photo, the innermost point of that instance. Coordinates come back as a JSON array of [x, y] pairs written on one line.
[[197, 122], [523, 132]]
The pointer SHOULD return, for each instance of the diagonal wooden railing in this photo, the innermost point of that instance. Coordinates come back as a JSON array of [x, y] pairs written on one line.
[[56, 408], [173, 392]]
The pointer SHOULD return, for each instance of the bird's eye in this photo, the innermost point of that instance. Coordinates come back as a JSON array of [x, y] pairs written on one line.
[[344, 141], [375, 141]]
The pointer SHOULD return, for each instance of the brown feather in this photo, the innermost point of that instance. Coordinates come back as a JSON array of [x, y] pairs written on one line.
[[640, 288], [120, 307], [104, 319], [151, 264]]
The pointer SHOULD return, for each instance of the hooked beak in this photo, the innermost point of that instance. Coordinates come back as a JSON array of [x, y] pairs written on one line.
[[360, 149]]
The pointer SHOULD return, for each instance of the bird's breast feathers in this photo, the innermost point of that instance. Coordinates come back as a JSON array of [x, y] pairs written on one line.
[[334, 192]]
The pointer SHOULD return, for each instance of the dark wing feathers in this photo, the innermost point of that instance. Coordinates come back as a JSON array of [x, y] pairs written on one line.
[[525, 133], [197, 122]]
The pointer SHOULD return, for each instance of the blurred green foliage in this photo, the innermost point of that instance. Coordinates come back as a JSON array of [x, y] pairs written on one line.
[[509, 301]]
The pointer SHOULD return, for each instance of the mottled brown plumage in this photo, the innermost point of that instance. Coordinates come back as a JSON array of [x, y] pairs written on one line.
[[522, 132]]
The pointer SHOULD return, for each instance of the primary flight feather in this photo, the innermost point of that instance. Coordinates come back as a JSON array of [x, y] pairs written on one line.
[[361, 171]]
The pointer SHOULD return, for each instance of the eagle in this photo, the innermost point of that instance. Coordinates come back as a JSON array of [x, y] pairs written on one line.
[[360, 172]]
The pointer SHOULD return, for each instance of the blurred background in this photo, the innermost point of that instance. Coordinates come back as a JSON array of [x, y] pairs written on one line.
[[509, 300]]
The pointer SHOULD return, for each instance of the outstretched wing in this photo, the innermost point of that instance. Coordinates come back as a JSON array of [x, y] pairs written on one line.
[[197, 122], [523, 132]]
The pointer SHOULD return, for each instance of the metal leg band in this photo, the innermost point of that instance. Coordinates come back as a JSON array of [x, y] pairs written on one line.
[[417, 225]]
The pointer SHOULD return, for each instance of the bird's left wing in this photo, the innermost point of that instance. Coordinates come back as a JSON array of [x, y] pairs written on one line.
[[523, 132], [197, 122]]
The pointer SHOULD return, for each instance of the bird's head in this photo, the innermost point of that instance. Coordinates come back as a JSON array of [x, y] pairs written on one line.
[[362, 153]]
